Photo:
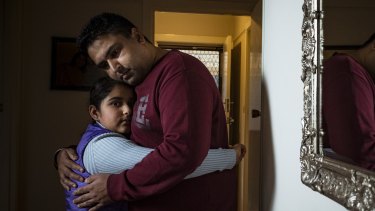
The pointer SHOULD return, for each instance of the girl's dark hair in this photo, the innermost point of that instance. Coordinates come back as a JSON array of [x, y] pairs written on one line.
[[101, 88]]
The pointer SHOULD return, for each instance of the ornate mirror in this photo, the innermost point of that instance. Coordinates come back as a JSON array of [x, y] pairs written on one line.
[[322, 169]]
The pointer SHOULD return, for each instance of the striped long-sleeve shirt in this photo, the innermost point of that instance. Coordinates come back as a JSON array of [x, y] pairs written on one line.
[[113, 153]]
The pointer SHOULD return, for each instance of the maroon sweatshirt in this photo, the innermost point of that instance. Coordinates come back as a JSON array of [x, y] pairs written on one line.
[[348, 110], [179, 112]]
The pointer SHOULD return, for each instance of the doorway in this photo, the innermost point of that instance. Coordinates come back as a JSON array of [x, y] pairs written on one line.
[[232, 33]]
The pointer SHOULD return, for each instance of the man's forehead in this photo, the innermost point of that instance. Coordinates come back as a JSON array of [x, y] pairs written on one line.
[[98, 49]]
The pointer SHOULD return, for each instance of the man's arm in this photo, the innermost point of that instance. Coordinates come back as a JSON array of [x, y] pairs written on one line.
[[186, 105], [64, 162], [122, 154]]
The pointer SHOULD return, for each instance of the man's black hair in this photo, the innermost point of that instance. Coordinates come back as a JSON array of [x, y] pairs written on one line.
[[102, 24]]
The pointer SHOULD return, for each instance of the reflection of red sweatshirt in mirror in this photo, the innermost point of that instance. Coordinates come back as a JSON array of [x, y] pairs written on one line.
[[348, 110], [179, 112]]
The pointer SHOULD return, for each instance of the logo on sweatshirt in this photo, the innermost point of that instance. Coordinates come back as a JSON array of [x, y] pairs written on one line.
[[140, 119]]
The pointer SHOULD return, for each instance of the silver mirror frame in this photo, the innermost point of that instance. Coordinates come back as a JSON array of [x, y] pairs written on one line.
[[349, 185]]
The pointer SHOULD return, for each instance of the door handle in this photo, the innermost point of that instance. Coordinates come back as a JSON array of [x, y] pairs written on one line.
[[255, 113], [230, 120]]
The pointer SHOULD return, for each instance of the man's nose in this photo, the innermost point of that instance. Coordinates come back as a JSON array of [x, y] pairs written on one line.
[[113, 65]]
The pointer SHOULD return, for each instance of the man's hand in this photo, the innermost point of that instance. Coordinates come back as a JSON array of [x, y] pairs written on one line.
[[240, 152], [65, 163], [94, 194]]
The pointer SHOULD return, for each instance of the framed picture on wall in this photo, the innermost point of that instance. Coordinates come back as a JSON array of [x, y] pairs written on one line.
[[70, 69]]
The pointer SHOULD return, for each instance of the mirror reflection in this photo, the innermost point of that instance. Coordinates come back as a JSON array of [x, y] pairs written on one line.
[[348, 94]]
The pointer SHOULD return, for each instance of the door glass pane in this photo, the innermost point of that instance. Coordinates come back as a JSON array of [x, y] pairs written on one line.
[[209, 58]]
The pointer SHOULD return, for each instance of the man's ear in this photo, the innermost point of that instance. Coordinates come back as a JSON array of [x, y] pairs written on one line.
[[94, 112], [138, 35]]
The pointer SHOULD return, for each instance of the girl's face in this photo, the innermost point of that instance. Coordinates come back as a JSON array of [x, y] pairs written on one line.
[[115, 110]]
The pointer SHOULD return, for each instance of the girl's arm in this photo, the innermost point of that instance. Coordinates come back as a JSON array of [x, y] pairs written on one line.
[[113, 153]]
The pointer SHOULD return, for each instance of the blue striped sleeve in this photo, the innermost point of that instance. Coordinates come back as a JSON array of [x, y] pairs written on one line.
[[113, 153], [216, 160]]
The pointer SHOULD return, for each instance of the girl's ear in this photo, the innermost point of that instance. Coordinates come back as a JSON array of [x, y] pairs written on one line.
[[94, 112]]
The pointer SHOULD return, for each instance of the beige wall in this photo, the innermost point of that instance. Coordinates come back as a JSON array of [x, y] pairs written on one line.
[[186, 25], [193, 24], [240, 23], [201, 24]]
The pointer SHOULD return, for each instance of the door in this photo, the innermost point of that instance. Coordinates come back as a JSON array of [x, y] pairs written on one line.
[[234, 102], [239, 109]]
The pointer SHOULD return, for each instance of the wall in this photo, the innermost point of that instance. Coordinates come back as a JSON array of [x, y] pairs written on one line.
[[180, 28], [282, 105], [239, 7], [348, 22], [4, 146], [193, 24], [185, 27]]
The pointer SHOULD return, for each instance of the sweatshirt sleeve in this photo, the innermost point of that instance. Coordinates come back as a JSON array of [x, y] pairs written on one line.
[[186, 103]]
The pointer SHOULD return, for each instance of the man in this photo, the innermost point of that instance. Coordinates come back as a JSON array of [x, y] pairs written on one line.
[[178, 112], [349, 104]]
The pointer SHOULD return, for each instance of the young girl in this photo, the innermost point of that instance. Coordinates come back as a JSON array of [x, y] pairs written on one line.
[[105, 148]]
